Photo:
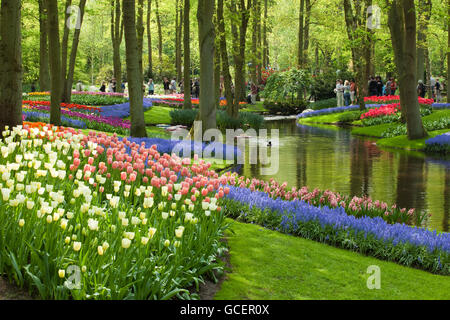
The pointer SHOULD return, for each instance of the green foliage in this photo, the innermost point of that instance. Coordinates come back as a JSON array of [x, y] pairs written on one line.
[[224, 121], [323, 84], [285, 108], [287, 87], [323, 104], [87, 99], [349, 116], [431, 125], [184, 117]]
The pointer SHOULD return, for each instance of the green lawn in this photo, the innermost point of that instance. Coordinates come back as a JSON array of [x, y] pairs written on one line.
[[258, 107], [377, 131], [404, 143], [268, 265], [157, 115], [325, 119]]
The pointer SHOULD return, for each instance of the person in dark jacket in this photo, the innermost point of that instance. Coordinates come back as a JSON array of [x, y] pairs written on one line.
[[421, 90], [379, 86], [373, 90]]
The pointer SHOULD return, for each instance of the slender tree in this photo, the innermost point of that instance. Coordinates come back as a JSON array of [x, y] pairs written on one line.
[[308, 6], [448, 51], [134, 73], [231, 110], [149, 40], [424, 14], [65, 47], [44, 71], [178, 38], [140, 29], [402, 25], [68, 76], [187, 56], [300, 33], [55, 61], [116, 38], [10, 64], [160, 44], [360, 44], [242, 12], [206, 33], [265, 53]]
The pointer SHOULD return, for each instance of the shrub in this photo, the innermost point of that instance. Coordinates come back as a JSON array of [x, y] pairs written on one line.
[[399, 130], [184, 117], [285, 108], [323, 84], [323, 104]]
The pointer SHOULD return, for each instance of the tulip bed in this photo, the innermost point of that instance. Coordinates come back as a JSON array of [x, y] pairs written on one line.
[[355, 206], [95, 217], [414, 247], [84, 98]]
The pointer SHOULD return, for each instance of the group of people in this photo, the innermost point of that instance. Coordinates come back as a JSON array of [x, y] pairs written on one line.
[[170, 87], [378, 88], [435, 87], [345, 92]]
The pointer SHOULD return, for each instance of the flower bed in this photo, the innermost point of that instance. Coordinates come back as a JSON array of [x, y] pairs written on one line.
[[91, 121], [355, 206], [63, 105], [122, 110], [439, 144], [85, 98], [416, 247], [395, 99], [80, 206], [326, 111]]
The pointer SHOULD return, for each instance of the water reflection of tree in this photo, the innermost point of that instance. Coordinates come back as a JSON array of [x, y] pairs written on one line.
[[411, 184], [446, 200], [360, 167]]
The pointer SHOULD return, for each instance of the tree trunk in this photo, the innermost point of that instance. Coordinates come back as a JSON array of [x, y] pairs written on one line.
[[140, 35], [265, 42], [424, 14], [360, 40], [55, 62], [258, 48], [232, 112], [300, 34], [133, 70], [149, 41], [306, 31], [44, 71], [187, 56], [68, 82], [178, 36], [158, 22], [10, 64], [206, 34], [240, 70], [116, 37], [448, 52], [65, 49], [402, 25]]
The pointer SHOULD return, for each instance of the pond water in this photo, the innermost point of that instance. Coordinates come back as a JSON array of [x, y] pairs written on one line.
[[328, 157]]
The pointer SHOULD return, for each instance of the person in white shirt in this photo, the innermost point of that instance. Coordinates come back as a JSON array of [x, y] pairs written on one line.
[[173, 86], [339, 90]]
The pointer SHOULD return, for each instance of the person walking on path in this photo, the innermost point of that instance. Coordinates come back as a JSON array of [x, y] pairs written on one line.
[[196, 88], [166, 86], [379, 86], [339, 90], [388, 87], [103, 87], [151, 87], [347, 93], [437, 90], [254, 93], [79, 86], [373, 87], [353, 92], [393, 86], [421, 90], [173, 86]]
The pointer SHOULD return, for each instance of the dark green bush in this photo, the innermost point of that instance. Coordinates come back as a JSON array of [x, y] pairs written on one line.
[[224, 121], [323, 104], [350, 116], [285, 108], [323, 84], [184, 117]]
